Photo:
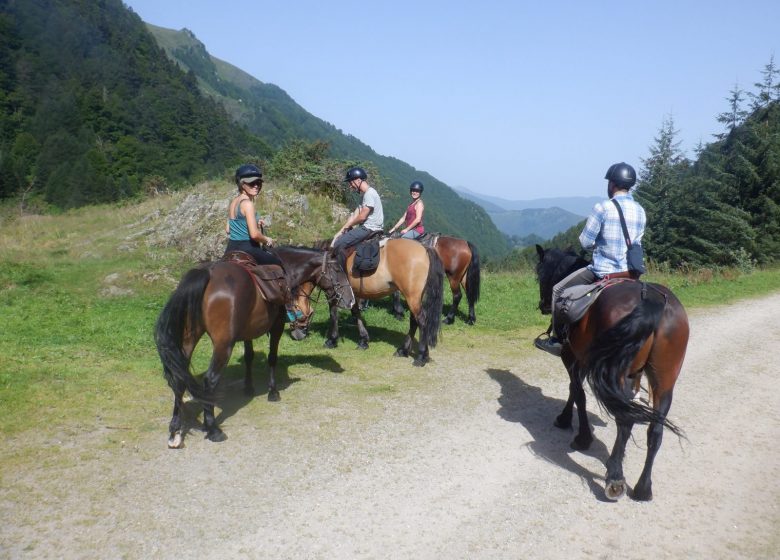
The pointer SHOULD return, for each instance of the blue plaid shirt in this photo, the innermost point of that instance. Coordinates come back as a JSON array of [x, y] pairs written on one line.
[[604, 235]]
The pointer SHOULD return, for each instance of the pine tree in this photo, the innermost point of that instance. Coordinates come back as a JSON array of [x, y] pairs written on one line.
[[736, 115], [768, 88], [656, 187]]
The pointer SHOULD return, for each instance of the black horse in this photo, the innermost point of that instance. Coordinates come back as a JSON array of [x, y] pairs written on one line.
[[632, 328]]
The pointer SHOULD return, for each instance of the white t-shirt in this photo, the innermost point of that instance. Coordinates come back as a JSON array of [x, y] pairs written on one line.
[[376, 218]]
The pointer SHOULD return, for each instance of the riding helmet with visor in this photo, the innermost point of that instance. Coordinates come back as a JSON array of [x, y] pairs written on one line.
[[248, 173]]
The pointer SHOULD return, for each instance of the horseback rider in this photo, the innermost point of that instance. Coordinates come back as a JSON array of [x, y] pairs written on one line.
[[413, 218], [603, 234], [366, 220], [245, 227]]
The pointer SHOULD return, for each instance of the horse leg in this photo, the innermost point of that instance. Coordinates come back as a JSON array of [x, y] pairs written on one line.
[[584, 437], [249, 355], [472, 314], [422, 347], [362, 332], [457, 295], [398, 308], [332, 339], [219, 360], [615, 483], [403, 350], [273, 354], [176, 439], [643, 491]]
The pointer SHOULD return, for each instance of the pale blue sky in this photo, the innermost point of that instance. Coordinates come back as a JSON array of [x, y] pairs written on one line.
[[520, 99]]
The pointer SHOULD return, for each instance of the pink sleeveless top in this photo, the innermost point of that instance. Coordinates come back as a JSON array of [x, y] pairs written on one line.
[[411, 214]]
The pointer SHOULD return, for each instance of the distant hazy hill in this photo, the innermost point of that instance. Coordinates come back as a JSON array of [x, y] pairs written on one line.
[[269, 112], [580, 205], [544, 217]]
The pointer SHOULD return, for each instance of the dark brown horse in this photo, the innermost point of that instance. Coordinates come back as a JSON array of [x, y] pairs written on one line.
[[461, 265], [633, 328], [223, 300], [404, 265]]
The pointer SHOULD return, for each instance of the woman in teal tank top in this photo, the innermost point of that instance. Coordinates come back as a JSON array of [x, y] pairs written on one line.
[[244, 226]]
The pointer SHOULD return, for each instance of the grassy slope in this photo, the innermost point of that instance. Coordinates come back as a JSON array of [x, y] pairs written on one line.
[[77, 350]]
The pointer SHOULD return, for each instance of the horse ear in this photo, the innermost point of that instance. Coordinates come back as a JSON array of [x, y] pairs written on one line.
[[540, 252]]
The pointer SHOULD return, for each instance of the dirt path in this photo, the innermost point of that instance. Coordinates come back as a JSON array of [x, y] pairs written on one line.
[[471, 468]]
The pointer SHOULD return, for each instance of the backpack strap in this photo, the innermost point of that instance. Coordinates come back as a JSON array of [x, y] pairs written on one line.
[[622, 222]]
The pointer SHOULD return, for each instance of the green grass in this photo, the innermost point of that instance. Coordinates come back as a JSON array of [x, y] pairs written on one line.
[[74, 356]]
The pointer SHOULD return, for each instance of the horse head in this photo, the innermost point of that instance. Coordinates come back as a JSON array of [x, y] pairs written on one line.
[[554, 265]]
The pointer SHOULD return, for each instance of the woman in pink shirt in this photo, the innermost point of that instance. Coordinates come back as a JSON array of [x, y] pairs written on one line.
[[412, 220]]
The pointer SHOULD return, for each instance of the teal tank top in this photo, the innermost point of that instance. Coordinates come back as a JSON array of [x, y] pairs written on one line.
[[238, 229]]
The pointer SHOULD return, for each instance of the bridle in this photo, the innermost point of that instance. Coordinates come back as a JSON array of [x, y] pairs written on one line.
[[338, 287]]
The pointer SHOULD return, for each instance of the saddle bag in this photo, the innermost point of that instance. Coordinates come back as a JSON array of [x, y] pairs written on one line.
[[366, 256]]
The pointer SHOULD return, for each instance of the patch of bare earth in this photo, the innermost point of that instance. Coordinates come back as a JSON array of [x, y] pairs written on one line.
[[466, 465]]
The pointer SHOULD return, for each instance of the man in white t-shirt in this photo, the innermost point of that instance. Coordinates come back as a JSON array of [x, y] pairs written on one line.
[[367, 219]]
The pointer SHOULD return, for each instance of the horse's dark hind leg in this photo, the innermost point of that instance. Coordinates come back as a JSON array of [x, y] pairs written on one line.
[[398, 308], [219, 360], [273, 354], [615, 484], [176, 438], [643, 491], [403, 350], [457, 295], [249, 356]]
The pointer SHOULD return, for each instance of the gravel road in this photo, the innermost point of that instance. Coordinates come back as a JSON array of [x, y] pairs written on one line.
[[465, 465]]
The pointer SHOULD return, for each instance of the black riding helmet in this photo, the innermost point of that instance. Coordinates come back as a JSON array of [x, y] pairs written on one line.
[[417, 186], [248, 171], [355, 173], [621, 174]]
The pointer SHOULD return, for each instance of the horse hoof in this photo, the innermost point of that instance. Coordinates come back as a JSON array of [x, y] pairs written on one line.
[[330, 343], [176, 441], [362, 345], [401, 353], [562, 423], [448, 320], [273, 395], [399, 317], [217, 436], [419, 362], [615, 489], [581, 443], [471, 321], [642, 496]]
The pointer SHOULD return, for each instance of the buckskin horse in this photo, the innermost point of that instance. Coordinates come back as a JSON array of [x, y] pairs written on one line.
[[404, 265], [461, 265], [632, 328], [222, 299]]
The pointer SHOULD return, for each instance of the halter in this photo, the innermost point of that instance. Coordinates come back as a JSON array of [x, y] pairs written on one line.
[[337, 286]]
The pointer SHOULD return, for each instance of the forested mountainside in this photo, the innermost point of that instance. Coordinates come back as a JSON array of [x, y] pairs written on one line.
[[90, 107], [266, 110], [93, 110]]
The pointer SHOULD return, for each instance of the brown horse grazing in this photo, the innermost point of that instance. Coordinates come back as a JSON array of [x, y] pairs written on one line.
[[632, 328], [461, 265], [223, 300], [404, 265]]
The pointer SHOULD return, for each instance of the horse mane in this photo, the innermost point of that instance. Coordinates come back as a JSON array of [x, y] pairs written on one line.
[[559, 263]]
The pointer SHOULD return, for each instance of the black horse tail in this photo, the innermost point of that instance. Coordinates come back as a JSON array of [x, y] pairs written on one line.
[[611, 355], [432, 300], [182, 314], [472, 276]]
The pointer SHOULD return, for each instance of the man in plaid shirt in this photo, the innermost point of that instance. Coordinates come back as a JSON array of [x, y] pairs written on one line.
[[604, 235]]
